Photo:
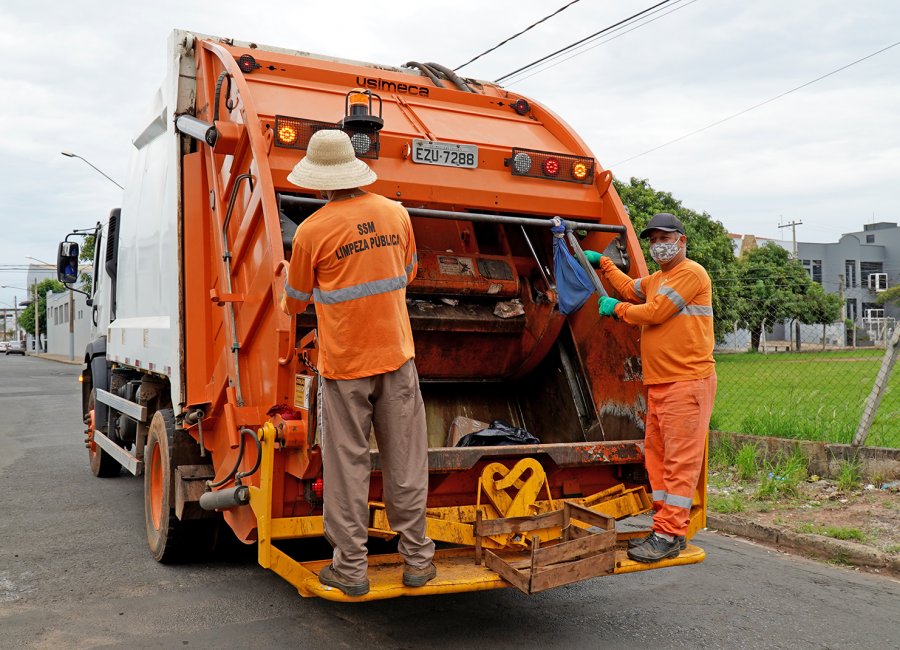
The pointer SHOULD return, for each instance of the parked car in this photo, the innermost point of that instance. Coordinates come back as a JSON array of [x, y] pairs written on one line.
[[3, 346], [15, 347]]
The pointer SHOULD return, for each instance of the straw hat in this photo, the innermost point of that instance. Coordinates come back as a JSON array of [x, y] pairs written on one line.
[[331, 164]]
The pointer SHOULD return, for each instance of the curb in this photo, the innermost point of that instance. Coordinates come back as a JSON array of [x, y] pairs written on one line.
[[57, 359], [808, 545]]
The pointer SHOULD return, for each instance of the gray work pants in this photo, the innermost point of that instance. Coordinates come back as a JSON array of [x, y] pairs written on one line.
[[393, 403]]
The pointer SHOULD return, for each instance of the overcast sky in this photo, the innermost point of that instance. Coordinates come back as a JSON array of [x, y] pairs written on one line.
[[79, 76]]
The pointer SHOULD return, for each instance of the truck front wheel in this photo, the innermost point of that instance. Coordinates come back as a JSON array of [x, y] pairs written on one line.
[[102, 464]]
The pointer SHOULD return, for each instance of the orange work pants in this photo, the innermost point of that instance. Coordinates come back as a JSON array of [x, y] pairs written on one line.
[[677, 426]]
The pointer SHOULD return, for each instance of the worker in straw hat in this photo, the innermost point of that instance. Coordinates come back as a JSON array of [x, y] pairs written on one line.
[[354, 257]]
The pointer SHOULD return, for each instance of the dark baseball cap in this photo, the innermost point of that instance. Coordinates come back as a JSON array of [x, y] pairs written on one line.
[[663, 221]]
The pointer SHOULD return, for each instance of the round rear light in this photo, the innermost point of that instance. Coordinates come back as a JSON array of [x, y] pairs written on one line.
[[247, 63], [287, 134], [550, 167], [522, 163], [579, 170], [521, 106], [361, 143]]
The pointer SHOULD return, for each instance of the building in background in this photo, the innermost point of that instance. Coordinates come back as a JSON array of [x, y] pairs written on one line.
[[36, 274], [858, 267], [61, 310]]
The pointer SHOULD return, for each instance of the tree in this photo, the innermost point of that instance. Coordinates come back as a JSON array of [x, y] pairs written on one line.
[[708, 243], [891, 295], [819, 307], [772, 287], [26, 316]]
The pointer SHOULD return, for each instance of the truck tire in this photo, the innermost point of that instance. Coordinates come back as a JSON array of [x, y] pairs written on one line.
[[170, 539], [102, 464]]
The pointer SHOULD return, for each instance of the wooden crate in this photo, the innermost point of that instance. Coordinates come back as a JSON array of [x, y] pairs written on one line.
[[579, 554]]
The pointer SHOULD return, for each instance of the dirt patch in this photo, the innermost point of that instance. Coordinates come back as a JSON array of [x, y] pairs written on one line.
[[868, 514]]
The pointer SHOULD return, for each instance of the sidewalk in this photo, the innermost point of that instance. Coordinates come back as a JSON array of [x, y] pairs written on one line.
[[60, 358]]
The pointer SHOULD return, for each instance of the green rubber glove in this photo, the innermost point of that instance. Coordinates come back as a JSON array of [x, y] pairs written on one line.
[[608, 306], [593, 257]]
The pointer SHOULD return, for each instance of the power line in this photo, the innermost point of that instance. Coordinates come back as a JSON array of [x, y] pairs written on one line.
[[561, 9], [576, 43], [605, 41], [747, 110]]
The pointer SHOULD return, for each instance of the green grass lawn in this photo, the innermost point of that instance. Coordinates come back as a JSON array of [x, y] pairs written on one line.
[[805, 395]]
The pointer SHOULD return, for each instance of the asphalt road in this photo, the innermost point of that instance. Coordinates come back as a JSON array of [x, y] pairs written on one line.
[[75, 572]]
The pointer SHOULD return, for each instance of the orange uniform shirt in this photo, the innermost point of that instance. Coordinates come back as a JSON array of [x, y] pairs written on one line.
[[354, 258], [676, 318]]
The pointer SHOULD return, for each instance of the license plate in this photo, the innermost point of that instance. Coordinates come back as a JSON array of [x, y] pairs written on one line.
[[446, 154]]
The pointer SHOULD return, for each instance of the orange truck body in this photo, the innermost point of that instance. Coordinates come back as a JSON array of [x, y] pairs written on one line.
[[573, 381]]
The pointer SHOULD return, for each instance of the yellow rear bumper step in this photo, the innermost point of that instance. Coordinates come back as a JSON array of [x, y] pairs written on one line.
[[456, 573]]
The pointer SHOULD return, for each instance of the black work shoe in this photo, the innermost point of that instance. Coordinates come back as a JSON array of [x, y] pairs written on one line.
[[413, 577], [634, 542], [329, 576], [655, 549]]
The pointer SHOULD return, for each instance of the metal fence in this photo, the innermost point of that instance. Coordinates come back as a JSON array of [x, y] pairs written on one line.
[[783, 377]]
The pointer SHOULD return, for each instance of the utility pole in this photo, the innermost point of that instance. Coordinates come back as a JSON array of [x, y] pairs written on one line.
[[38, 348], [71, 325], [793, 226]]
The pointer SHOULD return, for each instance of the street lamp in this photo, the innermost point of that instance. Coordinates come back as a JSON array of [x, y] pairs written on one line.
[[69, 154]]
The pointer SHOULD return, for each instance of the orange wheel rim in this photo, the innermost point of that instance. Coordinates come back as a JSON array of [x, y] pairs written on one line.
[[92, 449], [156, 487]]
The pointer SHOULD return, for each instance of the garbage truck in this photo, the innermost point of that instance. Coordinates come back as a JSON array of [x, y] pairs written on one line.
[[195, 379]]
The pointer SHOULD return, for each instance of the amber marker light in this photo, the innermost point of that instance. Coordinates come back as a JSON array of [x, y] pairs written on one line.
[[287, 134], [579, 170]]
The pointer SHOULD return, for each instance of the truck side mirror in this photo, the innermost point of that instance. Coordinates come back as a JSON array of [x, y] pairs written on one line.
[[67, 262]]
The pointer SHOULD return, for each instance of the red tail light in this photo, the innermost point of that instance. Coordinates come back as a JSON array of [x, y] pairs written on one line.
[[318, 487], [550, 167]]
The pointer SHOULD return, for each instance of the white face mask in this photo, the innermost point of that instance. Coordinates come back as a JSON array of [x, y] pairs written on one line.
[[663, 252]]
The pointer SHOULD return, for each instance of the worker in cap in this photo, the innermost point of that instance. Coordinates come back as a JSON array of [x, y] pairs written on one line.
[[354, 258], [673, 308]]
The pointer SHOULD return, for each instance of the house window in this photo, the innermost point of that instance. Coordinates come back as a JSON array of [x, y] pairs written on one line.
[[814, 269], [851, 309], [869, 269], [850, 273], [872, 310], [870, 239]]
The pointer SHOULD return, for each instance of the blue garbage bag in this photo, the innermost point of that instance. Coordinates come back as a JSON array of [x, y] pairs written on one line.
[[573, 286]]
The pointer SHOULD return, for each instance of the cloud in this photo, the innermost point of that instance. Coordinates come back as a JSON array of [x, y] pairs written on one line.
[[79, 77]]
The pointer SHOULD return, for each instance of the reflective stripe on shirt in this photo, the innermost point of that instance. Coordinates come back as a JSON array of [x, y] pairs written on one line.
[[637, 289], [672, 295], [372, 288], [296, 295], [697, 310], [356, 291]]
